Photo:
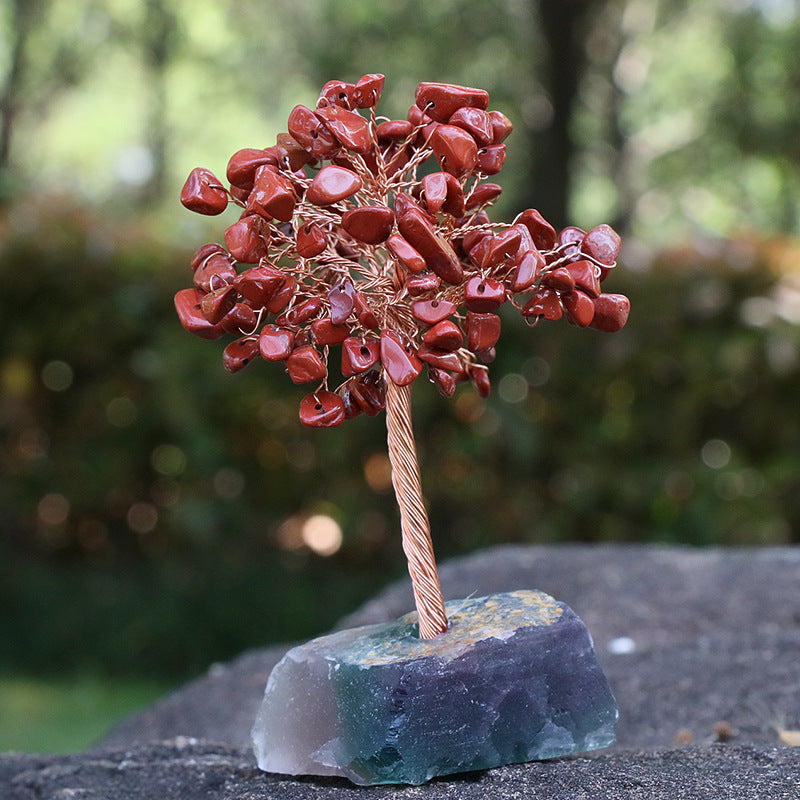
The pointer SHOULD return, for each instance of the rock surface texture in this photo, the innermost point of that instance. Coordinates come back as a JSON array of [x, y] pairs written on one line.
[[700, 647]]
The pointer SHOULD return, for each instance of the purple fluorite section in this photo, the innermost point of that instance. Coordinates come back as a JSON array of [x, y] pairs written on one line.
[[514, 679]]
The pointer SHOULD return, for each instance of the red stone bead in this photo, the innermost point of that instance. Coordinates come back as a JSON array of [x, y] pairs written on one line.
[[215, 272], [368, 392], [369, 224], [434, 187], [560, 279], [240, 319], [480, 377], [291, 154], [301, 313], [205, 252], [405, 253], [476, 123], [368, 90], [216, 304], [486, 356], [455, 149], [585, 275], [483, 330], [401, 366], [416, 117], [305, 365], [441, 100], [342, 299], [472, 243], [237, 355], [442, 380], [273, 193], [484, 294], [248, 239], [393, 130], [332, 184], [348, 127], [282, 296], [603, 244], [527, 271], [258, 284], [542, 232], [491, 159], [337, 93], [436, 251], [311, 240], [323, 332], [310, 132], [359, 354], [364, 313], [188, 304], [243, 164], [501, 247], [423, 283], [570, 240], [430, 312], [545, 303], [578, 307], [203, 193], [610, 312], [501, 126], [483, 193], [322, 409], [443, 359], [444, 335], [275, 343]]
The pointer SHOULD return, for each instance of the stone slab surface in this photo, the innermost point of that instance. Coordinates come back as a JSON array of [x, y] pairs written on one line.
[[687, 638]]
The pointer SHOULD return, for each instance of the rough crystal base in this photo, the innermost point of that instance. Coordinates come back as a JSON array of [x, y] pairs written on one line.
[[513, 679]]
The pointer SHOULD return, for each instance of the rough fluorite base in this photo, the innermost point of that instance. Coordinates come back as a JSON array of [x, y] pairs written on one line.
[[514, 679]]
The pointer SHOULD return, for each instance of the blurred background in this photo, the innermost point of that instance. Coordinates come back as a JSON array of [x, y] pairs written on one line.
[[158, 514]]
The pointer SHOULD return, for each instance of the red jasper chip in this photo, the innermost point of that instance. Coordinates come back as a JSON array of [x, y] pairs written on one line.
[[305, 365], [603, 244], [416, 117], [437, 251], [243, 164], [444, 335], [542, 232], [561, 280], [310, 132], [480, 377], [215, 305], [238, 354], [259, 284], [188, 305], [311, 240], [369, 224], [291, 153], [443, 359], [417, 285], [475, 122], [585, 275], [491, 159], [205, 252], [484, 294], [570, 240], [455, 149], [527, 271], [430, 312], [241, 319], [332, 184], [405, 253], [441, 100], [442, 380], [322, 409], [275, 343], [486, 356], [348, 127], [393, 130], [215, 272], [367, 392], [501, 126], [301, 313], [610, 312], [483, 193], [368, 90], [401, 366], [248, 239], [342, 299], [359, 354], [203, 193], [483, 330], [578, 307], [364, 314], [434, 187], [273, 193], [337, 93], [501, 247], [323, 332], [545, 303], [282, 296]]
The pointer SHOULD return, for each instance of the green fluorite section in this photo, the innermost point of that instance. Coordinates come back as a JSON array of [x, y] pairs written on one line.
[[513, 679]]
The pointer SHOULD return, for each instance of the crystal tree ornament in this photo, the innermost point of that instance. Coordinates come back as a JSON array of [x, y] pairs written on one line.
[[373, 235]]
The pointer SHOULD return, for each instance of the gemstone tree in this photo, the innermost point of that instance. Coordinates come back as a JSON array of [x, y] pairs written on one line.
[[373, 234]]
